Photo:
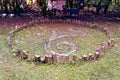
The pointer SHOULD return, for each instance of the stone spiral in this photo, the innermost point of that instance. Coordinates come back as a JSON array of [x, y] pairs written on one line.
[[59, 35]]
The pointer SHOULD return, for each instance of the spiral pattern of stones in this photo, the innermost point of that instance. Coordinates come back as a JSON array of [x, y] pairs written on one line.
[[61, 58]]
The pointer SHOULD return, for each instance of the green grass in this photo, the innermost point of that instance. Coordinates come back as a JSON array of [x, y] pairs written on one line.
[[33, 39]]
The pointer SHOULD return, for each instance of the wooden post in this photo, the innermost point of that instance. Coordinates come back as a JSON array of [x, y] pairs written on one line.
[[74, 58], [28, 60], [24, 54], [63, 58], [42, 59], [66, 59], [98, 50], [112, 42], [104, 29], [48, 58], [84, 58], [90, 57], [17, 52], [109, 42], [12, 32], [96, 55], [60, 59], [102, 48], [54, 58], [37, 58]]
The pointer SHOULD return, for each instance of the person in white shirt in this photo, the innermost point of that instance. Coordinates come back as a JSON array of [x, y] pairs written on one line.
[[49, 5]]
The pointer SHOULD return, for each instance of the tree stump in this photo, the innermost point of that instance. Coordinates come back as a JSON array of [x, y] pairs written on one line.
[[42, 59], [84, 57], [12, 32], [74, 58], [48, 58], [63, 59], [96, 55], [54, 58], [37, 58], [24, 54], [17, 52], [66, 59], [90, 57]]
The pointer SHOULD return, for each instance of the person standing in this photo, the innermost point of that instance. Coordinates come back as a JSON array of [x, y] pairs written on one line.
[[54, 6], [71, 4], [49, 5], [60, 5], [81, 7]]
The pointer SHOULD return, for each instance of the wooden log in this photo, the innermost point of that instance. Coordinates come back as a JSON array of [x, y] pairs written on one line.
[[74, 58], [42, 59], [54, 57], [66, 59], [90, 57], [17, 52], [84, 57], [36, 58], [63, 59], [24, 26], [12, 32], [17, 28], [107, 32], [60, 58], [80, 59], [99, 50], [102, 48], [105, 45], [48, 59], [112, 42], [96, 55], [105, 29], [29, 60], [109, 42], [24, 54]]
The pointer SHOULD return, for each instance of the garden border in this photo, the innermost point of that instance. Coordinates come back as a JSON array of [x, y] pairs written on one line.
[[62, 59]]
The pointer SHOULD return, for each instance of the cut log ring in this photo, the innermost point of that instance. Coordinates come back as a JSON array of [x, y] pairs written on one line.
[[53, 57], [90, 57], [84, 57], [96, 55], [74, 58], [36, 58]]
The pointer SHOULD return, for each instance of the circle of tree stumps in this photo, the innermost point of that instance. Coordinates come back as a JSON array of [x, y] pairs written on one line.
[[62, 58]]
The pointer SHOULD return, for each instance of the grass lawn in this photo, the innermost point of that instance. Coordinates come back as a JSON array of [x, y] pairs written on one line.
[[33, 40]]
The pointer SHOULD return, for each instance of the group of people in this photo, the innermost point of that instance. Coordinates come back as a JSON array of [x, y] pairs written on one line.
[[74, 7], [10, 8], [65, 7]]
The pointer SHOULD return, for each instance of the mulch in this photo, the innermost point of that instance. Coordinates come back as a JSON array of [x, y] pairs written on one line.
[[88, 17]]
